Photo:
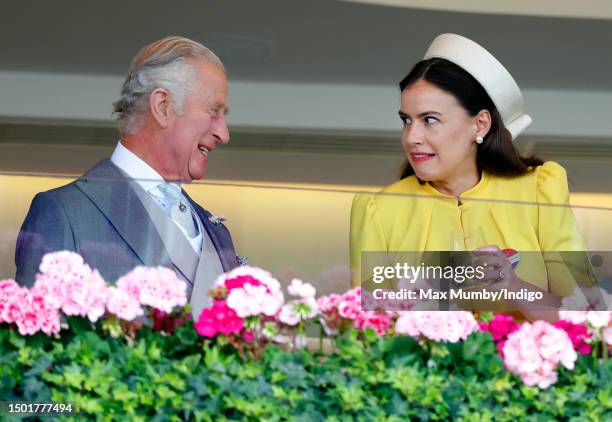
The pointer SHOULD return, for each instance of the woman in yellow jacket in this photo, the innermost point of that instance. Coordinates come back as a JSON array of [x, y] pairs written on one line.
[[464, 180]]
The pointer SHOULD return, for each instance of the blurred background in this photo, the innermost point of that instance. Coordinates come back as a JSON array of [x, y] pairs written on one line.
[[313, 98]]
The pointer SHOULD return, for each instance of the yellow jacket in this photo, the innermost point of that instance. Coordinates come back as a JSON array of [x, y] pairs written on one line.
[[526, 213]]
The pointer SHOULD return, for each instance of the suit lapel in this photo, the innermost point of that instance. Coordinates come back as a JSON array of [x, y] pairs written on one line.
[[177, 246], [219, 235], [109, 189]]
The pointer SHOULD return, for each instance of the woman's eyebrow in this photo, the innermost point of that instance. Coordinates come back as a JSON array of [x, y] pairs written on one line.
[[423, 114], [427, 113]]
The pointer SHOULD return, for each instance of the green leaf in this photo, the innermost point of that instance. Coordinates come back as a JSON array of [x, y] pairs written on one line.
[[35, 390], [605, 397], [41, 364], [485, 317], [187, 334], [370, 335], [157, 377], [74, 375], [79, 324], [15, 339]]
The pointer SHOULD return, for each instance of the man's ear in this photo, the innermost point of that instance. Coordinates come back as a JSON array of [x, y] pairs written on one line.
[[482, 123], [160, 107]]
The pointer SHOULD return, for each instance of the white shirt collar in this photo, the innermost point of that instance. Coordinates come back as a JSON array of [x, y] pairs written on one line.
[[146, 177]]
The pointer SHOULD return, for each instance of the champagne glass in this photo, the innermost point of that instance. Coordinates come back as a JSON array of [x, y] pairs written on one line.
[[467, 240], [462, 243]]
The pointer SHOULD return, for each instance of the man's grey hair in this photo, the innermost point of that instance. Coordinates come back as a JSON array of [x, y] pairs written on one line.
[[161, 64]]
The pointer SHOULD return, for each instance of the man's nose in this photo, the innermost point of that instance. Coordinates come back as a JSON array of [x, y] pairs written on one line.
[[221, 131]]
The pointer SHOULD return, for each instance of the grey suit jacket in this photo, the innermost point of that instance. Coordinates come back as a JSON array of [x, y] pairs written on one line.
[[101, 217]]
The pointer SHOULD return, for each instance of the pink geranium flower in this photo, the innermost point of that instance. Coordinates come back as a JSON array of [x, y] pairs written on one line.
[[8, 288], [534, 351], [349, 306], [346, 309], [219, 319], [31, 312], [500, 327], [248, 336], [450, 326], [239, 276], [123, 305], [244, 292], [250, 291], [70, 285], [378, 320], [330, 317], [239, 281], [159, 287], [329, 303], [578, 334]]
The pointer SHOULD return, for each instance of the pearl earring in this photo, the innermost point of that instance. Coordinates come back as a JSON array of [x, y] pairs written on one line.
[[479, 140]]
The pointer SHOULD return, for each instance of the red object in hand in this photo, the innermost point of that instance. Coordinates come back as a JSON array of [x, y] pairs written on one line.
[[513, 255]]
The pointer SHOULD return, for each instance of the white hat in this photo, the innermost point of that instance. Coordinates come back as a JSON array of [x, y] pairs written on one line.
[[491, 74]]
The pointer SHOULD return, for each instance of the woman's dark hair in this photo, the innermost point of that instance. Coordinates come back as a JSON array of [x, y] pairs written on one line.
[[497, 154]]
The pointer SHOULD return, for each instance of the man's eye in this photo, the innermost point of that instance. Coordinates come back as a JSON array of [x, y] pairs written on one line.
[[216, 112]]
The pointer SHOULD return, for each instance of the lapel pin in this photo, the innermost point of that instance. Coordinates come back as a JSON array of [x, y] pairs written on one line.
[[217, 219]]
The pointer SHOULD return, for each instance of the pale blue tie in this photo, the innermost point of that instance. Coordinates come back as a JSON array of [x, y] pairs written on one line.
[[175, 206]]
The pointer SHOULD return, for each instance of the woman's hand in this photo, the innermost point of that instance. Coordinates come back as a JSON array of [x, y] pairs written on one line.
[[497, 268], [501, 275]]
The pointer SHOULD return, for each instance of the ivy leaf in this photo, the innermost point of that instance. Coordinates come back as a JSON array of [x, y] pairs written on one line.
[[79, 325], [96, 344], [370, 335], [15, 339], [35, 390], [605, 398], [401, 351], [40, 365], [397, 405], [187, 334]]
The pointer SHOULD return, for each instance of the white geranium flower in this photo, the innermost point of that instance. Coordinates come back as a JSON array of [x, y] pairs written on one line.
[[598, 318], [253, 300], [300, 289], [288, 315]]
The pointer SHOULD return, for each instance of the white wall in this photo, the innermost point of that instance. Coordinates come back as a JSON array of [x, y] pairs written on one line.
[[354, 108]]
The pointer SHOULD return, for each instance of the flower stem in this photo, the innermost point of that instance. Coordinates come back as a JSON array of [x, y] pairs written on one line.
[[604, 345], [321, 339], [297, 337]]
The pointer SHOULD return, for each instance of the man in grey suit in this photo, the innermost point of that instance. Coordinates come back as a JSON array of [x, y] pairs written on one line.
[[130, 209]]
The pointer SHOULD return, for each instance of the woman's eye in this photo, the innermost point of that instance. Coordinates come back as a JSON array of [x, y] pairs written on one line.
[[405, 120], [430, 120]]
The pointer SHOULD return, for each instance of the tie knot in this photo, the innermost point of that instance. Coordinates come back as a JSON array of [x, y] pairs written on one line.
[[170, 191]]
